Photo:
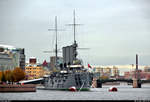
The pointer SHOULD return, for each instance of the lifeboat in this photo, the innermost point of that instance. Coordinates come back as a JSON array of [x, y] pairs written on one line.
[[113, 89], [73, 88]]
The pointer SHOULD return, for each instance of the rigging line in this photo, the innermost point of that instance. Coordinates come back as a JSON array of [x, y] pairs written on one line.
[[82, 86]]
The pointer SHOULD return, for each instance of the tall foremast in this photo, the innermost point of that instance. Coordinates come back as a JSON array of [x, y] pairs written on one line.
[[75, 45]]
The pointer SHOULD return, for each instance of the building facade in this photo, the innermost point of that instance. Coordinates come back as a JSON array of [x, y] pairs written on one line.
[[53, 62], [33, 70], [108, 72], [6, 62], [115, 71], [142, 75], [147, 68], [11, 57]]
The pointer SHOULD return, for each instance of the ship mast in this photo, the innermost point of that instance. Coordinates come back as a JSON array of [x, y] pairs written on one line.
[[56, 39], [56, 50], [74, 25], [75, 45]]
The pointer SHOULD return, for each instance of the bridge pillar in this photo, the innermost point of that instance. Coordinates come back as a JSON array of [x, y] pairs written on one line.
[[136, 83], [94, 83], [99, 84], [136, 79]]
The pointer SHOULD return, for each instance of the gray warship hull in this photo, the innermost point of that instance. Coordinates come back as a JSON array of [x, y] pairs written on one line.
[[63, 81]]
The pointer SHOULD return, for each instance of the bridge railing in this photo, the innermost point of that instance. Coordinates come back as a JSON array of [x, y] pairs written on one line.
[[121, 80]]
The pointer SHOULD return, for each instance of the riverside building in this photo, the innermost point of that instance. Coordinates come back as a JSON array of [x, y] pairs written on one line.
[[11, 57], [53, 62], [108, 72], [33, 69]]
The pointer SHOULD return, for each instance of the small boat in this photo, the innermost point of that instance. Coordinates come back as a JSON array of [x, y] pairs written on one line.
[[113, 89], [73, 88]]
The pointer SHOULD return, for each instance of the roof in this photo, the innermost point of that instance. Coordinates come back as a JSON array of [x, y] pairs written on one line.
[[7, 46], [32, 58]]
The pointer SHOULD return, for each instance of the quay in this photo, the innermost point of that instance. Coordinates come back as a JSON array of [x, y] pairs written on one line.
[[17, 88]]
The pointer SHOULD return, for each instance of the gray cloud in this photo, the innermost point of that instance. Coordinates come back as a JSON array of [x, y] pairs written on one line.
[[114, 30]]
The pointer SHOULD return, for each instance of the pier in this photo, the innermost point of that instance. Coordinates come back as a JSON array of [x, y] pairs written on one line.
[[18, 88]]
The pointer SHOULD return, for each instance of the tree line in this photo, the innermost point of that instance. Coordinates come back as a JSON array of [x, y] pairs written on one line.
[[12, 75]]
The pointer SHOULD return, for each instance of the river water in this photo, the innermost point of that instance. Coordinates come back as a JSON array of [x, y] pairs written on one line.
[[125, 92]]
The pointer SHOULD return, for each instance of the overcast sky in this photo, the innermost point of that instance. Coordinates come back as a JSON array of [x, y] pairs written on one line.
[[114, 30]]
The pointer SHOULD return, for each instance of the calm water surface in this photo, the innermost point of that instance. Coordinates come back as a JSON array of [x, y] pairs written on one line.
[[125, 92]]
